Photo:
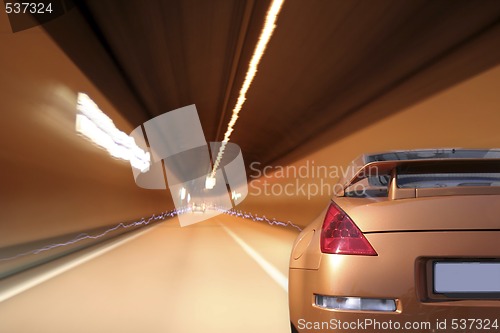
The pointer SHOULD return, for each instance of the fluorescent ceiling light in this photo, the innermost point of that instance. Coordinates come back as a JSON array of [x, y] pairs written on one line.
[[265, 36]]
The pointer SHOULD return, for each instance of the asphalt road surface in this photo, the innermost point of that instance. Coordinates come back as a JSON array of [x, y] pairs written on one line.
[[223, 275]]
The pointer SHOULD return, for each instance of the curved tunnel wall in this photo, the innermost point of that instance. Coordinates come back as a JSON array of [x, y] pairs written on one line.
[[55, 182]]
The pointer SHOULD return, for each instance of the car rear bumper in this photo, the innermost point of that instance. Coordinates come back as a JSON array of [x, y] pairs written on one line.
[[400, 272]]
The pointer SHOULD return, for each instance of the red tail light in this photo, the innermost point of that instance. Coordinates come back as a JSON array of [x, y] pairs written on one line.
[[339, 235]]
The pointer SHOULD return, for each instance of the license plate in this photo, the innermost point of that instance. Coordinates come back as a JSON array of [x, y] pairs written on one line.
[[467, 277]]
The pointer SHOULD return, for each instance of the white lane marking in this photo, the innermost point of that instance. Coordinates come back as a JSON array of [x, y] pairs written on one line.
[[272, 271], [29, 282]]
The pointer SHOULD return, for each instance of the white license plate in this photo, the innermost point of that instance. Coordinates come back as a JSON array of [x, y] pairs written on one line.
[[466, 277]]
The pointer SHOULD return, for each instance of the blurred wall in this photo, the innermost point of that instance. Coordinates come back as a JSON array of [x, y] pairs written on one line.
[[53, 181], [465, 115]]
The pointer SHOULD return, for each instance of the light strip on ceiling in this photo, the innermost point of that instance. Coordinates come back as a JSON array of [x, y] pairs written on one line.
[[265, 36]]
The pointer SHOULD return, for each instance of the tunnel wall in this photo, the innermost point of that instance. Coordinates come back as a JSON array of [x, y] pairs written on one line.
[[466, 115], [55, 182]]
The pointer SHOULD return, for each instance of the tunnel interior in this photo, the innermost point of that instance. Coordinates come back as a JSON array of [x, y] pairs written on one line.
[[82, 245]]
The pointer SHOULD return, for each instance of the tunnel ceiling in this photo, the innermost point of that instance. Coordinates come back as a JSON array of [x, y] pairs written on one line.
[[326, 60]]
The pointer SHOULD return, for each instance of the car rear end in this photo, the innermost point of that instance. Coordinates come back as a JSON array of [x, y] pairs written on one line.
[[412, 257]]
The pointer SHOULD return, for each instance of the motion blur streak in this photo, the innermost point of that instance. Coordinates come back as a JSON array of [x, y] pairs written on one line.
[[81, 237], [144, 222], [256, 218], [95, 125], [265, 36]]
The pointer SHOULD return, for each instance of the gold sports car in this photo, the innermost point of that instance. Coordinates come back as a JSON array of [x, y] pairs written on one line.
[[409, 243]]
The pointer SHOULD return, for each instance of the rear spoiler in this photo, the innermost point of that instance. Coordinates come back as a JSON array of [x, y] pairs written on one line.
[[423, 166]]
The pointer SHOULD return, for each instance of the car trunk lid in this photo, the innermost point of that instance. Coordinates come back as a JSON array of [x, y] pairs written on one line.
[[446, 213]]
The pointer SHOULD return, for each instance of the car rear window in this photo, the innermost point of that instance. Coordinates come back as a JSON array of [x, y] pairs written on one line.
[[448, 180]]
